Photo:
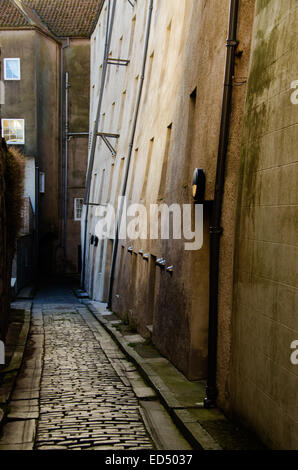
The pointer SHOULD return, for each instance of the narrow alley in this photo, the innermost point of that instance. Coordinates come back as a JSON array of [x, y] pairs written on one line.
[[148, 226], [76, 390]]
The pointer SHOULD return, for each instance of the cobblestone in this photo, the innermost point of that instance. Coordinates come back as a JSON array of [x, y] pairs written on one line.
[[84, 402]]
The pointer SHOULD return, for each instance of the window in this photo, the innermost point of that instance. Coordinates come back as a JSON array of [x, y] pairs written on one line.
[[42, 182], [13, 131], [78, 206], [12, 69]]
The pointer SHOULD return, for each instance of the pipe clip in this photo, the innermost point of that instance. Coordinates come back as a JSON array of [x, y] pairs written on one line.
[[232, 43], [216, 230]]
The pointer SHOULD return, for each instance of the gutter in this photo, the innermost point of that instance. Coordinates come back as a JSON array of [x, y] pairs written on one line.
[[215, 228], [128, 161]]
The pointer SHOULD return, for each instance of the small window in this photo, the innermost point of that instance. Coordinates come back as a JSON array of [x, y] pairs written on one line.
[[12, 69], [13, 131], [42, 182], [78, 206]]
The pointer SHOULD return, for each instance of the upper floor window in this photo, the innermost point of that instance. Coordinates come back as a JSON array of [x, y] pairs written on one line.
[[78, 207], [12, 69], [13, 131]]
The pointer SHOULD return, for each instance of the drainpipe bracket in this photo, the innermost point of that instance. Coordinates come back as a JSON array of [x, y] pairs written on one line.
[[210, 404], [232, 43], [216, 230]]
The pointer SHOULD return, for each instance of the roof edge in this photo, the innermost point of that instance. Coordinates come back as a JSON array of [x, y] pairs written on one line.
[[18, 5], [100, 6], [33, 19]]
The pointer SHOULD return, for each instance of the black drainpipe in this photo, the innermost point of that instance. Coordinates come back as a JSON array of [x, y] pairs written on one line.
[[215, 227]]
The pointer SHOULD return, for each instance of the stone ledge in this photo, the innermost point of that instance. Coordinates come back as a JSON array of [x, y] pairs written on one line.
[[10, 373], [196, 435]]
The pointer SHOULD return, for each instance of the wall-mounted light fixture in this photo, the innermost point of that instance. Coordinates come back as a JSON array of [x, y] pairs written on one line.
[[199, 185]]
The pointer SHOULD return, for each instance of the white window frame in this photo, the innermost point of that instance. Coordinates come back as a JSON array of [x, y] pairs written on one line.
[[76, 218], [5, 68], [2, 130]]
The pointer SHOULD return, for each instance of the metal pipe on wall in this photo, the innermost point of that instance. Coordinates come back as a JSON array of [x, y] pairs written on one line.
[[215, 228], [109, 31], [61, 132], [128, 160], [66, 170], [36, 223]]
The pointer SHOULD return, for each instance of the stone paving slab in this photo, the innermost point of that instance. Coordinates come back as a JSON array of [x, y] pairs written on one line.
[[18, 432], [24, 394], [24, 446], [17, 343], [23, 409], [161, 426]]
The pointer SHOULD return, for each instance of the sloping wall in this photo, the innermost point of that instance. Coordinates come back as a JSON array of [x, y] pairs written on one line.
[[177, 131]]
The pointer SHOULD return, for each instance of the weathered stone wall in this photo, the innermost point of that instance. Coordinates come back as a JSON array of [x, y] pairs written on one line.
[[20, 95], [35, 98], [47, 53], [263, 381], [77, 64]]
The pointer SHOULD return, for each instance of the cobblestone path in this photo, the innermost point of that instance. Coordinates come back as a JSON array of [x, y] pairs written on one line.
[[86, 400]]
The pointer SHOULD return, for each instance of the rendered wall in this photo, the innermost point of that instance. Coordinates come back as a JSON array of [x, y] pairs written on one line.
[[47, 116], [177, 131], [77, 64], [20, 95], [263, 382], [35, 98]]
